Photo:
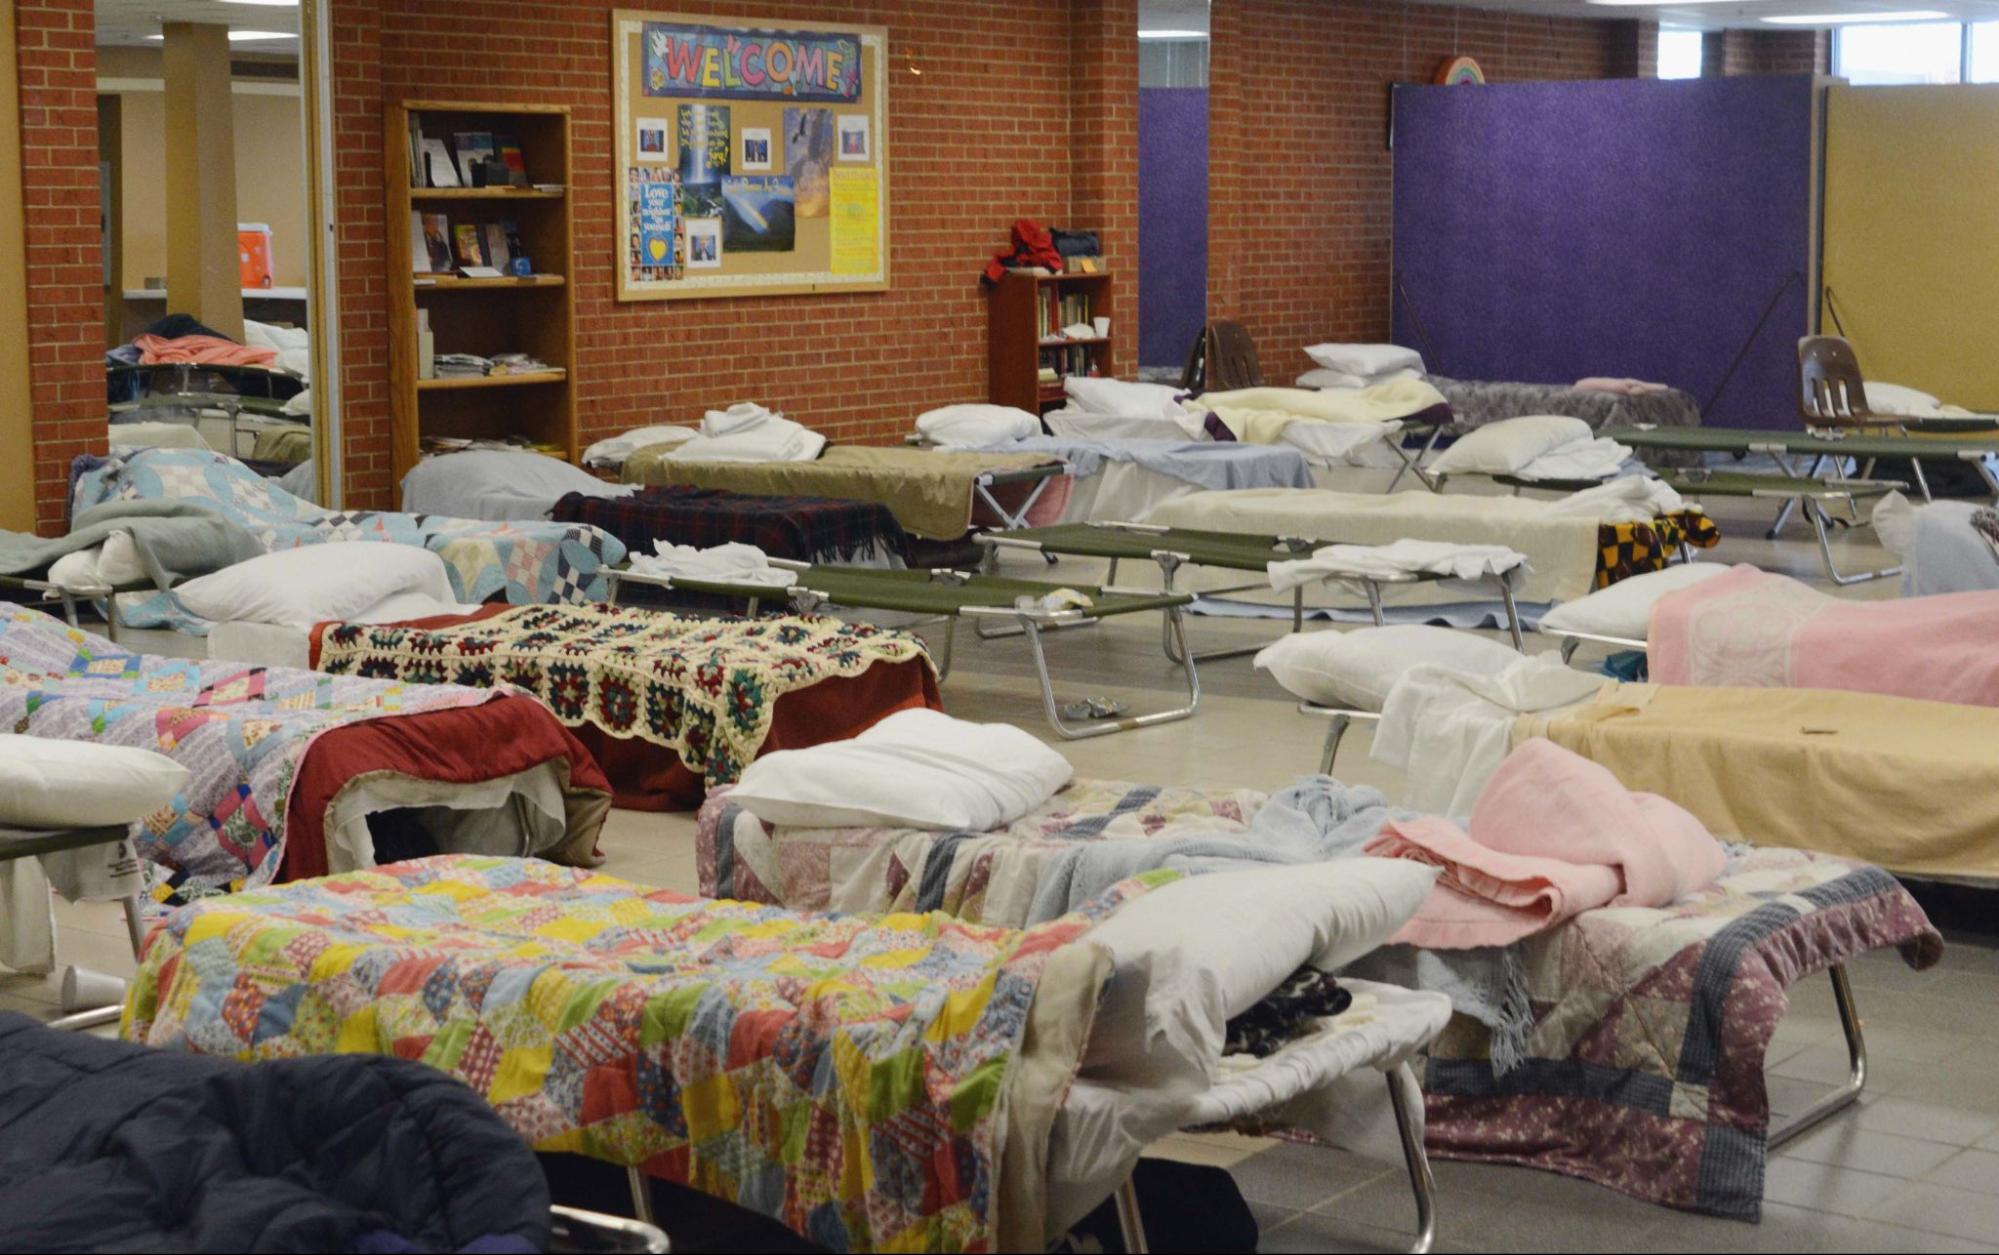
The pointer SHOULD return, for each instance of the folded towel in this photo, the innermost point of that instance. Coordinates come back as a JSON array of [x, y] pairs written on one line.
[[1551, 836], [772, 438], [742, 416], [722, 564], [1403, 557]]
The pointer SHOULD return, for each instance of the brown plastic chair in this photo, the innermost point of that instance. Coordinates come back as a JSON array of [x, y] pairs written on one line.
[[1831, 392], [1222, 359]]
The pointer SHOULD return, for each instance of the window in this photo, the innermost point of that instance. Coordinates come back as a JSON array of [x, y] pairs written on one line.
[[1919, 52], [1680, 52], [1982, 66]]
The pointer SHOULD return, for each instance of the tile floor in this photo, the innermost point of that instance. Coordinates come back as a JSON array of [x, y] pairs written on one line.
[[1914, 1168]]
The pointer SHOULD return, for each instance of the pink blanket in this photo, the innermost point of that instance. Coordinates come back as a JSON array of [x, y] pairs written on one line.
[[1750, 629], [1551, 836], [201, 351]]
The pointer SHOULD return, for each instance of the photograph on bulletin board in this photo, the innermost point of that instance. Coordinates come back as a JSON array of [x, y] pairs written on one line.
[[753, 159]]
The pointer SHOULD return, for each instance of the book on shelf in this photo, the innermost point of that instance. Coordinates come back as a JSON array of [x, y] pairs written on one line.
[[494, 236], [472, 148], [437, 165], [437, 243], [471, 248], [516, 161]]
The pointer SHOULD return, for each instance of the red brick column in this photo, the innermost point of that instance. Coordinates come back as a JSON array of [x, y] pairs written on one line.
[[1103, 151]]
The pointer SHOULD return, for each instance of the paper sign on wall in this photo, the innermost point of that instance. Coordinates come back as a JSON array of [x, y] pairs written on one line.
[[856, 198]]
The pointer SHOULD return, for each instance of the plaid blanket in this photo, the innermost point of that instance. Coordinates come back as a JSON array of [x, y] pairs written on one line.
[[803, 529], [844, 1075], [1645, 1065], [989, 877], [704, 688], [241, 732], [1628, 549]]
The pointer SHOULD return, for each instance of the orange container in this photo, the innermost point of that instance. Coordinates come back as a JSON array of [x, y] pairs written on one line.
[[253, 253]]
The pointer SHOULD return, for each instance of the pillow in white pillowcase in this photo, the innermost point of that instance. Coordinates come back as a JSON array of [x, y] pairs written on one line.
[[1506, 447], [316, 583], [1624, 610], [1117, 396], [977, 425], [1354, 670], [1893, 398], [914, 769], [1368, 361], [47, 783], [1323, 378]]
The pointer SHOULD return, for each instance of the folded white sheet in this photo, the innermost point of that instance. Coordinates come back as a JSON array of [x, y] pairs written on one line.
[[730, 564], [613, 450], [1403, 557], [742, 416], [771, 438]]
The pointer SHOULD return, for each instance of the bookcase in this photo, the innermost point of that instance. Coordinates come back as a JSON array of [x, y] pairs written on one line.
[[1024, 314], [483, 316]]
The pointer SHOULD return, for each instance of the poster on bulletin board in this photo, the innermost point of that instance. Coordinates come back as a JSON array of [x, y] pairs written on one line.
[[751, 160]]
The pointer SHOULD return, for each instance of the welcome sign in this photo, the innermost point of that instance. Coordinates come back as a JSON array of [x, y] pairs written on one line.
[[683, 60]]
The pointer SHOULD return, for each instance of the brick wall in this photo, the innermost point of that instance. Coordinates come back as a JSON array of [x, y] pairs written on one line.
[[1022, 108], [1299, 170], [65, 316], [1727, 53]]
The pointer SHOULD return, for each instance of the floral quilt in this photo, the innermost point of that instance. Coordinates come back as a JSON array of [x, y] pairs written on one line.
[[703, 688], [842, 1074], [520, 562], [240, 731]]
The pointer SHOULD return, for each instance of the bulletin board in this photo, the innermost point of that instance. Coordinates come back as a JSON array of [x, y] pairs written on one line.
[[1912, 235], [750, 160]]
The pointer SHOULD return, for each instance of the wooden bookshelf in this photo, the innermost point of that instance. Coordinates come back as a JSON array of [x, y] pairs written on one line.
[[484, 316], [1019, 337]]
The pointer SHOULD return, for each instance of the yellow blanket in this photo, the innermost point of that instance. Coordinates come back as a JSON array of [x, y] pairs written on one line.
[[1910, 785], [929, 492], [1260, 415]]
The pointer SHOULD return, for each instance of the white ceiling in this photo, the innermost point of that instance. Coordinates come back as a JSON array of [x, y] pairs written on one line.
[[127, 23], [1740, 13], [1173, 15]]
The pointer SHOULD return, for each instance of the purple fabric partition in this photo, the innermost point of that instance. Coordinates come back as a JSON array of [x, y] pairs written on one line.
[[1632, 227], [1172, 222]]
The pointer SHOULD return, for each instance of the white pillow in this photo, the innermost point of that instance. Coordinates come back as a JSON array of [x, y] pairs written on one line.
[[1506, 447], [1893, 398], [1192, 954], [315, 583], [977, 425], [46, 783], [914, 769], [1625, 608], [118, 561], [1365, 360], [1354, 670], [1116, 396], [1323, 378], [77, 570], [498, 485]]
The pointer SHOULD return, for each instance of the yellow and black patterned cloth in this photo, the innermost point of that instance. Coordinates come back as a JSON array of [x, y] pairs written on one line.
[[1628, 549]]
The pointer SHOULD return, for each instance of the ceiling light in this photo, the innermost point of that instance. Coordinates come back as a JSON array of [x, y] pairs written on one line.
[[1172, 34], [243, 37], [1843, 19]]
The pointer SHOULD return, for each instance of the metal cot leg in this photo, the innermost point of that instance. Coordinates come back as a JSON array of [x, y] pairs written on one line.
[[641, 1195], [1856, 1075], [1374, 601], [135, 924], [1130, 1224], [1177, 633], [1512, 612], [1817, 515], [1401, 1084], [1336, 731]]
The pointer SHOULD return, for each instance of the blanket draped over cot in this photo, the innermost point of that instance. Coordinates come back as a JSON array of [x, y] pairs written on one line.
[[930, 491], [522, 563], [1749, 629], [703, 688], [1476, 402], [1903, 783], [1644, 1061], [803, 529], [847, 1076], [1645, 1066], [242, 732]]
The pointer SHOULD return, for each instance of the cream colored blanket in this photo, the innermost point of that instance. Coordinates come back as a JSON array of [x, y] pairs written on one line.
[[1261, 415]]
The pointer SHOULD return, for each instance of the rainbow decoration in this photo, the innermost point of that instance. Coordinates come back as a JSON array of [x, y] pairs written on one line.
[[1454, 71]]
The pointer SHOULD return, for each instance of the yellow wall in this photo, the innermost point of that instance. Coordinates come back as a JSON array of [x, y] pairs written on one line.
[[270, 169], [17, 438], [1912, 235]]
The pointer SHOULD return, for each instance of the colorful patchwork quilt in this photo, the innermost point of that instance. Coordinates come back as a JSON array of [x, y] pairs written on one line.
[[844, 1075], [240, 731], [990, 877], [703, 688], [523, 563], [1645, 1065], [1628, 549]]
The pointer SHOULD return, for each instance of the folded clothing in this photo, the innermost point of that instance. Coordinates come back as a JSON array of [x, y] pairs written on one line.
[[1403, 557], [201, 351], [1551, 836], [732, 563], [742, 416]]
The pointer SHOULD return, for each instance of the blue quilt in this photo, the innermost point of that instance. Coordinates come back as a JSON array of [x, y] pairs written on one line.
[[522, 562]]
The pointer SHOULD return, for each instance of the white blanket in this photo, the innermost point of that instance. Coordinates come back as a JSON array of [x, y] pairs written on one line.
[[722, 564], [1448, 730], [1404, 557], [744, 433], [1596, 458], [1940, 552]]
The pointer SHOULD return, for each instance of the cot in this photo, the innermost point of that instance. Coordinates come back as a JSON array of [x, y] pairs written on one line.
[[803, 529], [873, 1082], [1024, 607], [1693, 997], [1173, 548]]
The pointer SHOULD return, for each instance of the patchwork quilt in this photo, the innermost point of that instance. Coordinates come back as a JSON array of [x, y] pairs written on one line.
[[1628, 549], [241, 732], [844, 1075], [703, 688], [1645, 1065], [989, 877], [523, 563]]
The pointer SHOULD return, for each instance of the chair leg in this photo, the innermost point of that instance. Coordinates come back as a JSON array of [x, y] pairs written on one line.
[[1402, 1084], [1848, 1092], [1336, 731], [1131, 1225]]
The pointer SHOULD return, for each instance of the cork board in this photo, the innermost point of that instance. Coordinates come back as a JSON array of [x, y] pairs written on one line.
[[750, 160]]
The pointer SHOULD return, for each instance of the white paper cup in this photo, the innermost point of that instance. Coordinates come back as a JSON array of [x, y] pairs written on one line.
[[85, 990], [1103, 326]]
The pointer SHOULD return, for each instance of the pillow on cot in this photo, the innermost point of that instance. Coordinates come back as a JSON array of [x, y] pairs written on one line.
[[1506, 447], [977, 424], [1368, 361], [1624, 609], [1355, 670], [914, 769], [47, 783], [315, 583]]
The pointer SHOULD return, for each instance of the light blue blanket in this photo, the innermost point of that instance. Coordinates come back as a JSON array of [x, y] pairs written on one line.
[[1220, 466]]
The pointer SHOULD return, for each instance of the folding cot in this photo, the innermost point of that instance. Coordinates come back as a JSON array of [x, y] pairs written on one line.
[[1028, 607], [1174, 547]]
